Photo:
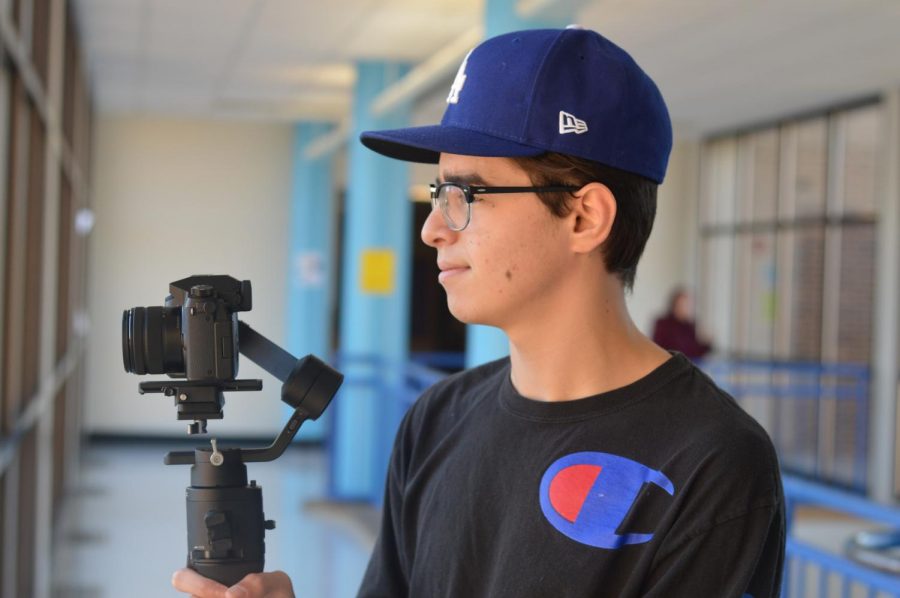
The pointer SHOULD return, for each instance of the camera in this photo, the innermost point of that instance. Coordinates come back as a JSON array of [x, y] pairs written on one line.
[[194, 336]]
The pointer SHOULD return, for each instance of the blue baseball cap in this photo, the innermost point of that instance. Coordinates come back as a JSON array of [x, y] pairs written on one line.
[[570, 91]]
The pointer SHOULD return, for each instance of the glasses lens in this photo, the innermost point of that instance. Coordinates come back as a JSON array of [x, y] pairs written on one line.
[[452, 201]]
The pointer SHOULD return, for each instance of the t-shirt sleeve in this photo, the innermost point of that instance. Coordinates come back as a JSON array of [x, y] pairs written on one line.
[[385, 575], [739, 557]]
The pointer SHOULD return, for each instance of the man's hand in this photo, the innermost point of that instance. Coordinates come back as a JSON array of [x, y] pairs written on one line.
[[256, 585]]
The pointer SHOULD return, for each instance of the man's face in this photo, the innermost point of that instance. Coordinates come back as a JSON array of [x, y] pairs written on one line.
[[504, 267]]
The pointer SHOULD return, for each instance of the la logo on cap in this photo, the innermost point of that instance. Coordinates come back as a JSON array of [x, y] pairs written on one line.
[[459, 81]]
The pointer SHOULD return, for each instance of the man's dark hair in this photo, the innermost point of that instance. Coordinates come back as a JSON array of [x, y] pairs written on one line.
[[635, 204]]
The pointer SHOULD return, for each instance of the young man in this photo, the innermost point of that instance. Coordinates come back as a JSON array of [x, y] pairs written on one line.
[[590, 462]]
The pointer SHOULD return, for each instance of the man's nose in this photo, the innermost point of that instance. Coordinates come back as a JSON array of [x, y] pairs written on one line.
[[435, 230]]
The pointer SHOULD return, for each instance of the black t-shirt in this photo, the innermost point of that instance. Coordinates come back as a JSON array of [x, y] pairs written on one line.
[[664, 487]]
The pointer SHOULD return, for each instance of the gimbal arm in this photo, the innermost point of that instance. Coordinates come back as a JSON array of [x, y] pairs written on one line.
[[265, 353]]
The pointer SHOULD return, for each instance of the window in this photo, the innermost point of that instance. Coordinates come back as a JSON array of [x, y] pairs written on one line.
[[787, 256]]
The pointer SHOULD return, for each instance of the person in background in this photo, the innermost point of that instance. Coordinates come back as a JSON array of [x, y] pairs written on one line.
[[677, 331]]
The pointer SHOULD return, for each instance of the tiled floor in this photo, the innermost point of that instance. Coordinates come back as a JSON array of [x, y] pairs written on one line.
[[123, 531]]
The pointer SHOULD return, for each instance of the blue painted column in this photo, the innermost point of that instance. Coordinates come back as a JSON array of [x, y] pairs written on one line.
[[486, 343], [375, 291], [310, 261]]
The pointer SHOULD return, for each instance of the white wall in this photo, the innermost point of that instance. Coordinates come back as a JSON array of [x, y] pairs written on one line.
[[174, 198], [669, 257]]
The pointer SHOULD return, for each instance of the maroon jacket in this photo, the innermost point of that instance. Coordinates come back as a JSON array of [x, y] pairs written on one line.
[[678, 335]]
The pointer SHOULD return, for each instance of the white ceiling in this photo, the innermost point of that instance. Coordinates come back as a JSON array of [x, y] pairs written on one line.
[[719, 63]]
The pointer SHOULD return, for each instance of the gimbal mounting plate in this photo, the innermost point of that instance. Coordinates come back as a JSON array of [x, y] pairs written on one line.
[[199, 400], [172, 388]]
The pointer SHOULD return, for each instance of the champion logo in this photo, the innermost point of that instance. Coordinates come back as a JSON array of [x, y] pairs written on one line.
[[459, 81], [568, 123], [586, 497]]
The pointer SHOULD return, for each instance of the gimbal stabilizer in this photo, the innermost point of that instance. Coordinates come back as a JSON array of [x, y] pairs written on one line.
[[225, 521]]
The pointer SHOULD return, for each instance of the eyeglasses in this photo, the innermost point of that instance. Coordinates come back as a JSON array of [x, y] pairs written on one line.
[[455, 199]]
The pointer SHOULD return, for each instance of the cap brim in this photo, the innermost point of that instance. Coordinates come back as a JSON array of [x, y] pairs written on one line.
[[426, 144]]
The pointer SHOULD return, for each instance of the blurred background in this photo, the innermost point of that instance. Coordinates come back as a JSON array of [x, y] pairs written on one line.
[[142, 141]]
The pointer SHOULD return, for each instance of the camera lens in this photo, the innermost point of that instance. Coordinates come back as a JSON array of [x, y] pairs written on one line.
[[151, 341]]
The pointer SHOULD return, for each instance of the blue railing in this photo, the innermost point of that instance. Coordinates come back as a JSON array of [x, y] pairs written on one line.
[[394, 386], [816, 413], [815, 571], [441, 360]]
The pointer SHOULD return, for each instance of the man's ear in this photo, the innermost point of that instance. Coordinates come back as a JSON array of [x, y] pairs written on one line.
[[592, 216]]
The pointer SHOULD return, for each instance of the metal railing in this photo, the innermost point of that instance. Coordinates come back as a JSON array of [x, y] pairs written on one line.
[[817, 414], [814, 571], [395, 386]]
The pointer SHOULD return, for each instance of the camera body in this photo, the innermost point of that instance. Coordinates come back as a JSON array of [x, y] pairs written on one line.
[[194, 336]]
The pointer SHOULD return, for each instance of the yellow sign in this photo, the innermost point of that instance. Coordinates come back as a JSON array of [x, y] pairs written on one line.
[[377, 271]]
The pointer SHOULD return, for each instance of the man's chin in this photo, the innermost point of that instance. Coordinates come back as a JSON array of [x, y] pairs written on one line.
[[470, 315]]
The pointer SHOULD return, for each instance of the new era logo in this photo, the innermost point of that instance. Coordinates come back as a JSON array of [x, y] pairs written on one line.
[[569, 124]]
